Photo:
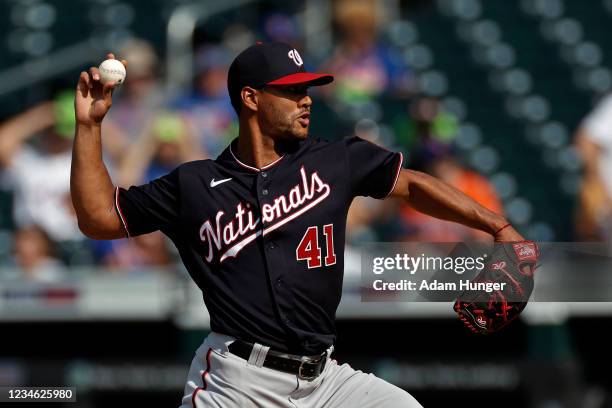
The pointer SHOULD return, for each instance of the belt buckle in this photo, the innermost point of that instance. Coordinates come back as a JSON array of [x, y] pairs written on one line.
[[303, 376], [318, 370]]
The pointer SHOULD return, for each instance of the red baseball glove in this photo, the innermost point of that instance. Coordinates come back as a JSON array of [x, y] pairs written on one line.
[[511, 266]]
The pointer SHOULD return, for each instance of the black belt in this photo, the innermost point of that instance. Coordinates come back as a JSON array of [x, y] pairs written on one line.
[[305, 367]]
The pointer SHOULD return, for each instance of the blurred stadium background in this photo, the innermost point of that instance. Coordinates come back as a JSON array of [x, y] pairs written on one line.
[[489, 95]]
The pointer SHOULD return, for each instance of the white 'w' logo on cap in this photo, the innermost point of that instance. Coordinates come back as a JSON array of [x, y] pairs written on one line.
[[295, 56]]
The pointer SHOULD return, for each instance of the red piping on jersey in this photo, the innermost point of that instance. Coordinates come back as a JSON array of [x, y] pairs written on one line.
[[399, 169], [251, 167], [204, 384], [120, 213]]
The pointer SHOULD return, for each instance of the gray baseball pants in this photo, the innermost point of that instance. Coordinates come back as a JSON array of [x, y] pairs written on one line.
[[220, 379]]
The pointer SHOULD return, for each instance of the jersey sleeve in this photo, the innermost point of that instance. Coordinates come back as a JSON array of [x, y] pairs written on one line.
[[150, 207], [373, 170]]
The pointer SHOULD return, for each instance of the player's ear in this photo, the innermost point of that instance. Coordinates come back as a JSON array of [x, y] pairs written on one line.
[[249, 98]]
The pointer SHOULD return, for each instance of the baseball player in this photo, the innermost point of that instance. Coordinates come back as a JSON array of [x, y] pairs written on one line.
[[260, 230]]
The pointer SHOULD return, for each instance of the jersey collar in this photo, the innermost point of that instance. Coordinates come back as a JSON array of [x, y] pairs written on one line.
[[251, 168]]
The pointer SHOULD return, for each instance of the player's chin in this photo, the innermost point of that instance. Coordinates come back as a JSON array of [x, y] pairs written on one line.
[[300, 132]]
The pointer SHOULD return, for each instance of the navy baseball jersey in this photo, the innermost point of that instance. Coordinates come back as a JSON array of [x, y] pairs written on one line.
[[266, 246]]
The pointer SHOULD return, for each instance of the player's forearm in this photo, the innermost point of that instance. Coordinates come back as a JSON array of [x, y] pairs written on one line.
[[434, 197], [15, 131], [90, 184]]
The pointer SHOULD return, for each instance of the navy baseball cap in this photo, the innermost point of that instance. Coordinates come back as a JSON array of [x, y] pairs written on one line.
[[273, 63]]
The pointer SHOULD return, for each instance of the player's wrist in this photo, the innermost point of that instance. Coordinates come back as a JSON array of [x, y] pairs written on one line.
[[88, 131], [506, 233], [494, 223], [88, 124]]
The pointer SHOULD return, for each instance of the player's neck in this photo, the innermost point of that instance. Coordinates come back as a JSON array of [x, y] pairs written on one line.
[[255, 149]]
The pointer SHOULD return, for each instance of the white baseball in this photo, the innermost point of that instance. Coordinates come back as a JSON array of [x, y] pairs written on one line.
[[112, 70]]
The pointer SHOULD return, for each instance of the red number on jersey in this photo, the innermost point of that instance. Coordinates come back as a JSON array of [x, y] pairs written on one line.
[[328, 230], [309, 249]]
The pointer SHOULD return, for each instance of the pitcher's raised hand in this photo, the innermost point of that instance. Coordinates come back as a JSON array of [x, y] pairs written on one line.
[[93, 98]]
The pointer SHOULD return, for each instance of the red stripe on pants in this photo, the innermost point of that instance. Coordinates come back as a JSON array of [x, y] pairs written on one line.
[[204, 385]]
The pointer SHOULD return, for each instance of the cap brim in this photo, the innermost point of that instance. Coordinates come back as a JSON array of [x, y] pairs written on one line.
[[307, 78]]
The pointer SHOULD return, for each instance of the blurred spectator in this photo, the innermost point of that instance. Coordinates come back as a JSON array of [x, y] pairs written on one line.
[[149, 250], [141, 96], [164, 143], [426, 125], [208, 110], [429, 133], [420, 227], [39, 173], [33, 255], [283, 28], [237, 37], [594, 144], [364, 67]]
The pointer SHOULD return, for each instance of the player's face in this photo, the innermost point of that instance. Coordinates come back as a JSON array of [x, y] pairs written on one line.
[[285, 111]]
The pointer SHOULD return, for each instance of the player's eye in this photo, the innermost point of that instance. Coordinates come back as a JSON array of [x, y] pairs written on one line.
[[296, 90], [303, 90], [288, 90]]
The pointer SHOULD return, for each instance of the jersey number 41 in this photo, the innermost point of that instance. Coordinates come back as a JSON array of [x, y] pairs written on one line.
[[309, 250]]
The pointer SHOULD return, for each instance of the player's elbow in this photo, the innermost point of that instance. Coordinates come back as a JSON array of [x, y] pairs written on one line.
[[98, 231], [89, 230]]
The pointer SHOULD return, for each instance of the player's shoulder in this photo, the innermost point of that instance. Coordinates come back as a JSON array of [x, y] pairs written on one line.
[[194, 167], [321, 150], [337, 148], [319, 143]]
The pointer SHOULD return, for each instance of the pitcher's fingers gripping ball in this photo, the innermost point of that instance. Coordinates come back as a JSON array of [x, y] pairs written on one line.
[[511, 265]]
